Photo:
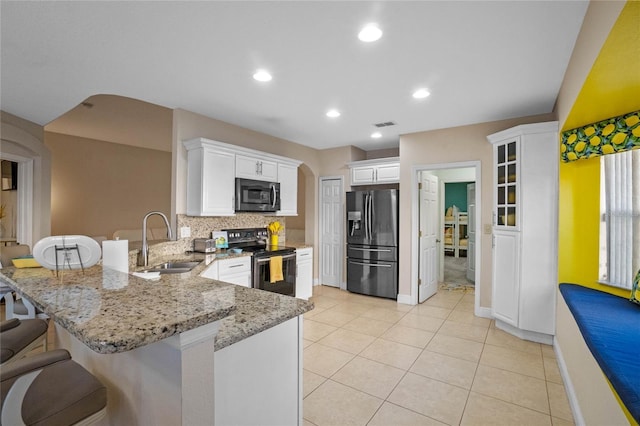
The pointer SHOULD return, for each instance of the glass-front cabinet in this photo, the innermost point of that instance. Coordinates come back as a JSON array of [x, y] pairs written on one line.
[[524, 263], [506, 185]]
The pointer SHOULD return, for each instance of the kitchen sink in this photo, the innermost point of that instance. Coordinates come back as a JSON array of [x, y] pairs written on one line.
[[177, 267]]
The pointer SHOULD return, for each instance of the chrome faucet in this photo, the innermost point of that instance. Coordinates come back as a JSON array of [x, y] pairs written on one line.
[[143, 256]]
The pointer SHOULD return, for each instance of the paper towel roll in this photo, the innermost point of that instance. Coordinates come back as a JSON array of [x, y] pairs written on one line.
[[115, 255]]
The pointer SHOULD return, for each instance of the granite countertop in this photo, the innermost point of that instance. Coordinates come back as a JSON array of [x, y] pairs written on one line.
[[111, 311]]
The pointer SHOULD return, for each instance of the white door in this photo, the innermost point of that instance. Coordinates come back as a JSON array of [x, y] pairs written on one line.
[[428, 263], [332, 222], [471, 232]]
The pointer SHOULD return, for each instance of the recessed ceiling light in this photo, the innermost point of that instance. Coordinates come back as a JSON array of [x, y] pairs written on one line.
[[376, 135], [333, 113], [262, 75], [370, 33], [421, 93]]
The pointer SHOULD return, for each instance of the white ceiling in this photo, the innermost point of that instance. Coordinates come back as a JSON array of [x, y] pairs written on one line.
[[481, 60]]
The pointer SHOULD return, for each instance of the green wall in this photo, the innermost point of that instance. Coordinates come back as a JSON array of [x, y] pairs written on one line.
[[456, 194]]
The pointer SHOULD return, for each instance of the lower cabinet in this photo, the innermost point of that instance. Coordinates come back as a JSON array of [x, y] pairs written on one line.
[[304, 268], [236, 270], [506, 277]]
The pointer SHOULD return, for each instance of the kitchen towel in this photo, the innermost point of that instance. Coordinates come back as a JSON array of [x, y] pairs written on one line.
[[275, 266], [115, 255]]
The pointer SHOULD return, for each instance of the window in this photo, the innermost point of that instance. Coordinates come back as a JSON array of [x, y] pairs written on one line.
[[619, 218]]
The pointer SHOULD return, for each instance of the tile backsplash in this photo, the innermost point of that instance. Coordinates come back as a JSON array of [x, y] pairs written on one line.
[[201, 227]]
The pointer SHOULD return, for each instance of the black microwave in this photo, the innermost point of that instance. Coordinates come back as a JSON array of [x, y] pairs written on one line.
[[257, 196]]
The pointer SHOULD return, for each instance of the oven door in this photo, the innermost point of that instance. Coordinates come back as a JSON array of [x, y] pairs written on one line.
[[262, 275]]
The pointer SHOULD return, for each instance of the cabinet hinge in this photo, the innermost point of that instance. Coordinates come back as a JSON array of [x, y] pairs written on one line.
[[419, 281], [420, 185], [420, 233]]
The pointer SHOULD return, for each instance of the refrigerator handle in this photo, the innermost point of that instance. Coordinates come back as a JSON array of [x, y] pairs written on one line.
[[366, 216], [370, 218]]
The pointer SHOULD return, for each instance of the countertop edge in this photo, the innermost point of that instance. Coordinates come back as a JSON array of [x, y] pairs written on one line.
[[228, 335]]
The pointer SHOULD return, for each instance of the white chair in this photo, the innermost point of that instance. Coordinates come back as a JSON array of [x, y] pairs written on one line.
[[19, 307]]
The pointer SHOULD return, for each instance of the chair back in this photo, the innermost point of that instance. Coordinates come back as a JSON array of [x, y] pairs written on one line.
[[11, 252]]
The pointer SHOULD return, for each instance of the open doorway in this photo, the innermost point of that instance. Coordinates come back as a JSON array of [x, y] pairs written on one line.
[[454, 259], [457, 201]]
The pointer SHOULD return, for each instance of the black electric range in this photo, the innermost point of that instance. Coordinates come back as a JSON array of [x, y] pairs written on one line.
[[254, 240], [264, 277]]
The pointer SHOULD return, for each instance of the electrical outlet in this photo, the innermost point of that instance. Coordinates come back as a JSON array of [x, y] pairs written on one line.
[[185, 232], [487, 228]]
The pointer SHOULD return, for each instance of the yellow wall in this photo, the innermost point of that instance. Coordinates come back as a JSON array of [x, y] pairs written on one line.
[[611, 88]]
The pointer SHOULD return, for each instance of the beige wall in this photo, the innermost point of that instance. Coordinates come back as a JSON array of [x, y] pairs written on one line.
[[383, 153], [33, 129], [99, 187], [298, 222], [333, 162], [459, 144]]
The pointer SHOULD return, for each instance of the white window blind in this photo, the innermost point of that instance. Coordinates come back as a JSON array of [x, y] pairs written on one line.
[[620, 218]]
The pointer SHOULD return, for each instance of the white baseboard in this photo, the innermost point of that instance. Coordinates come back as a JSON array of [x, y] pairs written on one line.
[[405, 299], [568, 386], [483, 312], [533, 336]]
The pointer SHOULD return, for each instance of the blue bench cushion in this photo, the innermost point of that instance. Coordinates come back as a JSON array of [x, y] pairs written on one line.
[[610, 326]]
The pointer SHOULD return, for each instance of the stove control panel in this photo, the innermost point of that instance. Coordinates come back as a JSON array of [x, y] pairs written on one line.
[[246, 235]]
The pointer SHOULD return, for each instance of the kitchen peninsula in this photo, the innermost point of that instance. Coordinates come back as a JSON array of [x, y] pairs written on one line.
[[181, 349]]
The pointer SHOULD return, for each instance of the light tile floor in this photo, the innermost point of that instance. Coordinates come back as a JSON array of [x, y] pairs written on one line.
[[371, 361]]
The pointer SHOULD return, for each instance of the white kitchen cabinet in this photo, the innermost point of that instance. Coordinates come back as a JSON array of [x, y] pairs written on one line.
[[235, 270], [525, 230], [378, 171], [388, 173], [256, 168], [304, 268], [363, 175], [288, 179], [213, 166], [210, 180], [506, 282]]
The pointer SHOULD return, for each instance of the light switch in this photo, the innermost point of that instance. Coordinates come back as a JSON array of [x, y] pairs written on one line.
[[185, 232], [487, 228]]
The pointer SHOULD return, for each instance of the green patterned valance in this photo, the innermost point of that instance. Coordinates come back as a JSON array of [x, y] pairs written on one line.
[[605, 137]]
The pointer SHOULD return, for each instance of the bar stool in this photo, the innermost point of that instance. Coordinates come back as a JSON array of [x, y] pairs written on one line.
[[19, 308], [18, 337], [50, 389]]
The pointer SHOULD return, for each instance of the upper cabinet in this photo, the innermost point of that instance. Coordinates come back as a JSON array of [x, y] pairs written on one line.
[[210, 179], [288, 179], [213, 166], [377, 171], [256, 168], [506, 154]]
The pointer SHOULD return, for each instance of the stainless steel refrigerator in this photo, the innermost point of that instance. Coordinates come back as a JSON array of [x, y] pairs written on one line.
[[372, 242]]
